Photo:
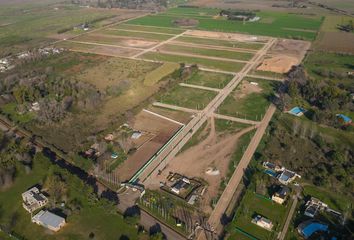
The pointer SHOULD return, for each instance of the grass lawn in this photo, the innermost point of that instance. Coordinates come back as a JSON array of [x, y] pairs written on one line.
[[274, 24], [207, 63], [187, 97], [95, 216], [251, 106], [335, 201], [209, 79], [140, 35], [252, 205], [221, 43], [149, 29], [222, 125], [10, 110], [208, 52]]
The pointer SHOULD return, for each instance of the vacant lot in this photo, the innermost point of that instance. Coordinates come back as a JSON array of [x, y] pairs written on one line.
[[249, 101], [149, 29], [219, 43], [187, 97], [207, 52], [139, 35], [209, 79], [272, 23], [203, 62]]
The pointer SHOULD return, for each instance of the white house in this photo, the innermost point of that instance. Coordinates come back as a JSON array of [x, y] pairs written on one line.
[[33, 199], [49, 220], [263, 222]]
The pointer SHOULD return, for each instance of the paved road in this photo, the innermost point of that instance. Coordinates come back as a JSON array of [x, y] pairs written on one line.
[[226, 197], [200, 87], [234, 119], [289, 217]]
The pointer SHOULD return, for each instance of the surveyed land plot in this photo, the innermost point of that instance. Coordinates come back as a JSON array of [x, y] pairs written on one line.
[[207, 63], [148, 29], [209, 79], [187, 97], [249, 100], [207, 52], [139, 35]]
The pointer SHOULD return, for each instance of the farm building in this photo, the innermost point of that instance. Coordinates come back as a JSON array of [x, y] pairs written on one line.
[[344, 119], [307, 228], [263, 222], [49, 220], [281, 195], [33, 199]]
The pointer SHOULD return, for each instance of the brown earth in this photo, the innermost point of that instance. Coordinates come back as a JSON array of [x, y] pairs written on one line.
[[186, 22], [162, 129], [342, 42], [213, 152], [224, 36], [139, 43], [246, 88], [285, 54]]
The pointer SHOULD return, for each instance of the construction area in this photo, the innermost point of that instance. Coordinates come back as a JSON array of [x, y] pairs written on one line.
[[201, 134]]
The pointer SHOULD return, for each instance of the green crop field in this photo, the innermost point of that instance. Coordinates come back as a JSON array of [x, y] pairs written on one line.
[[187, 97], [251, 105], [208, 63], [149, 29], [252, 205], [209, 79], [208, 52], [143, 35], [274, 24], [220, 43]]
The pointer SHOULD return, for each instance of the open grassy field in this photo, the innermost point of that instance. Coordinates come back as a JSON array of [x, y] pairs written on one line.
[[140, 35], [94, 215], [159, 73], [208, 52], [220, 43], [250, 105], [209, 79], [27, 25], [274, 24], [207, 63], [187, 97], [332, 66], [250, 206], [149, 29]]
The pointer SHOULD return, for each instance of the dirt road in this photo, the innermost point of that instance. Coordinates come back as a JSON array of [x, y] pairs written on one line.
[[289, 217], [237, 176]]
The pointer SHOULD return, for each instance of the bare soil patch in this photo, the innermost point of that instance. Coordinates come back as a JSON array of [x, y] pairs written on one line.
[[225, 36], [214, 152], [162, 130], [186, 22], [138, 43], [245, 89], [285, 54]]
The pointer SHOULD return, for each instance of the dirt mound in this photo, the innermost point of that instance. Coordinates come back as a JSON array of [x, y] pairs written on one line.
[[186, 22], [279, 64]]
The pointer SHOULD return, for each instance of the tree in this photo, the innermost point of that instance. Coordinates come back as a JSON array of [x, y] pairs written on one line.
[[157, 236]]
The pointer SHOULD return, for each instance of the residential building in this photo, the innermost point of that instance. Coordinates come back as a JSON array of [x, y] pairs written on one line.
[[281, 195], [49, 220], [313, 206], [33, 199], [263, 222], [287, 177]]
